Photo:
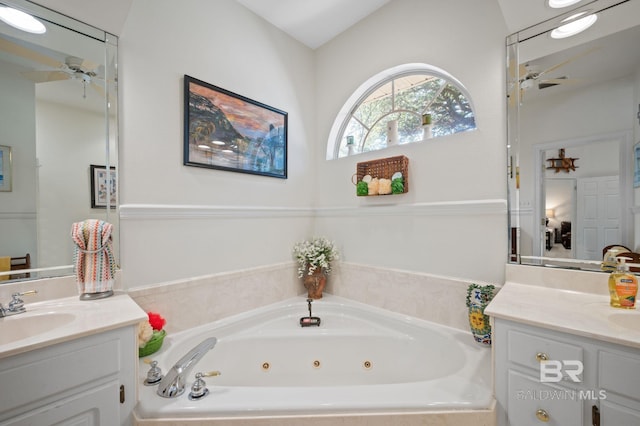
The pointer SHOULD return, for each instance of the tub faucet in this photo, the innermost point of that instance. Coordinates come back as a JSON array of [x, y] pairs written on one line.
[[310, 320], [173, 383]]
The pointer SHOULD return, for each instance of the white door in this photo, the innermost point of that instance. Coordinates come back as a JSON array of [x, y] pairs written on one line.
[[598, 216]]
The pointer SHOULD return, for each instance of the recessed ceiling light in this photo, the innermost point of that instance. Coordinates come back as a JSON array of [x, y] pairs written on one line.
[[218, 143], [575, 26], [22, 21], [559, 4], [204, 147]]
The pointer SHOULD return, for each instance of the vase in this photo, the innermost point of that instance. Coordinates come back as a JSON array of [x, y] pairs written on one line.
[[478, 297], [315, 283]]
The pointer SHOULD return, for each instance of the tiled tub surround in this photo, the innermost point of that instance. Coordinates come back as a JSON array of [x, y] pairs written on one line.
[[190, 303]]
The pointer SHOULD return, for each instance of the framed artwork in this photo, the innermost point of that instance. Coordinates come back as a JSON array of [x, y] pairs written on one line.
[[636, 167], [103, 187], [227, 131], [5, 168]]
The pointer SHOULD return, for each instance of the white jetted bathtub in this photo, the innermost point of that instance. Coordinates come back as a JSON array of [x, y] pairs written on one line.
[[360, 359]]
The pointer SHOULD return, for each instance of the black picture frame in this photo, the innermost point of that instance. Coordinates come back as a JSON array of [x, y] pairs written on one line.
[[227, 131], [103, 183]]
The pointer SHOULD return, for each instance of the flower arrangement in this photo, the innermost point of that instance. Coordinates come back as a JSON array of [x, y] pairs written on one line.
[[315, 253], [151, 334]]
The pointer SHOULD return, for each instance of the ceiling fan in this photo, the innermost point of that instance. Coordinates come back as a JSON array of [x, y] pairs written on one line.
[[73, 68], [530, 76]]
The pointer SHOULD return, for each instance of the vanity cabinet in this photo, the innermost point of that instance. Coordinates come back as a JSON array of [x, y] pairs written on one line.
[[583, 382], [86, 381]]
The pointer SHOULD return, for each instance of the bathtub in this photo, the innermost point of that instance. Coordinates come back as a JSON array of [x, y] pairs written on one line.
[[360, 359]]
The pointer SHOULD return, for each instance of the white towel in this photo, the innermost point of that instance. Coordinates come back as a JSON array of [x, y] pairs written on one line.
[[93, 258]]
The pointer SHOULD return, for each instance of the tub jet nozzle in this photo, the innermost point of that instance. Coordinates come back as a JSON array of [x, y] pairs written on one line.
[[310, 320]]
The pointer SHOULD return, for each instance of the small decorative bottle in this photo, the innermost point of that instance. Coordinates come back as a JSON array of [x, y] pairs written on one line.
[[427, 126], [350, 145]]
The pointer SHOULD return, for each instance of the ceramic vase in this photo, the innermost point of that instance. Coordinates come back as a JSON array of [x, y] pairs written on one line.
[[315, 283], [478, 297]]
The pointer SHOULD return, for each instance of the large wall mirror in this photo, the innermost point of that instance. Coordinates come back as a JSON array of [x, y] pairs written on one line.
[[58, 118], [573, 111]]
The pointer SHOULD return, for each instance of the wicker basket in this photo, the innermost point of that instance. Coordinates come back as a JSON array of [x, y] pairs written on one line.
[[152, 345], [384, 168]]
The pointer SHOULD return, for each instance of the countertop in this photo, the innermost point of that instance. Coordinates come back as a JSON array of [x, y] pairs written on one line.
[[574, 312], [59, 320]]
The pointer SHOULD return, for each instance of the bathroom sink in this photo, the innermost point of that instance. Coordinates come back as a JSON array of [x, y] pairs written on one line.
[[23, 326], [630, 320]]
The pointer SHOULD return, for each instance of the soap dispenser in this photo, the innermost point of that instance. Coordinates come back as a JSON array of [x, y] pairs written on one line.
[[623, 287]]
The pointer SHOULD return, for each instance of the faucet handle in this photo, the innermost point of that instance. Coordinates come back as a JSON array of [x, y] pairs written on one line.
[[17, 304], [154, 375], [199, 388]]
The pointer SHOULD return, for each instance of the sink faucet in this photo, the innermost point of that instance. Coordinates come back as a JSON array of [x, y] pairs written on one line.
[[16, 306], [173, 383]]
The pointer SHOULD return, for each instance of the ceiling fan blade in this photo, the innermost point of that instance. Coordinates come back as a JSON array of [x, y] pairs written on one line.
[[27, 53], [79, 64], [98, 89], [543, 84], [565, 62], [45, 76]]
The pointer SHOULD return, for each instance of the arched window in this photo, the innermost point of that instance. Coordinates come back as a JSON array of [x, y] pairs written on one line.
[[404, 94]]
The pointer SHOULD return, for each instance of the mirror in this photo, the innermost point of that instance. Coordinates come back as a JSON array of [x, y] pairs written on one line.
[[573, 107], [58, 119]]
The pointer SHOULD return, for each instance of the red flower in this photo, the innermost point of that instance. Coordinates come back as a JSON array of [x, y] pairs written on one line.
[[156, 321]]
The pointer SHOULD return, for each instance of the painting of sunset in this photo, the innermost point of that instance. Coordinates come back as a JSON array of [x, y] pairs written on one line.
[[227, 131]]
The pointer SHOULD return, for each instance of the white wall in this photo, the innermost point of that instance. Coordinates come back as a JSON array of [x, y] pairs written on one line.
[[179, 221], [69, 140], [452, 221], [17, 130]]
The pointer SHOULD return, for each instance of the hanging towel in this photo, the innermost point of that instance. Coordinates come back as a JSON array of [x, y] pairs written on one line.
[[93, 259], [5, 265]]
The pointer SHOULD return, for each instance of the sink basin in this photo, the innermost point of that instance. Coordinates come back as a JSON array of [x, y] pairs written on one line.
[[630, 320], [23, 326]]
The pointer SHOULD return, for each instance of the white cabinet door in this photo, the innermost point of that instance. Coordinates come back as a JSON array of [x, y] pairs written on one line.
[[98, 406], [612, 414]]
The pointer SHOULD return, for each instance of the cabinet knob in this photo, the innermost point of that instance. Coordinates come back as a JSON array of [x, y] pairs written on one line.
[[541, 356], [542, 415]]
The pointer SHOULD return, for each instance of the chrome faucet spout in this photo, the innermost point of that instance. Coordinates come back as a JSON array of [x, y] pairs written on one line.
[[173, 383]]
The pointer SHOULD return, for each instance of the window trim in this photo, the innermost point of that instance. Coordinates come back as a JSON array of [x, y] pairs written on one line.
[[343, 117]]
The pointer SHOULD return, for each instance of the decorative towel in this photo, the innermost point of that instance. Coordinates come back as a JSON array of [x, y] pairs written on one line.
[[5, 265], [93, 258]]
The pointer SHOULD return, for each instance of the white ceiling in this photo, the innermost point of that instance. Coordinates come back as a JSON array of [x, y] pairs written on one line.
[[315, 22], [312, 22]]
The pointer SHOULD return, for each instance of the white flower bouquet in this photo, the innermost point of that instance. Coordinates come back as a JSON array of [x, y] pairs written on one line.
[[313, 254]]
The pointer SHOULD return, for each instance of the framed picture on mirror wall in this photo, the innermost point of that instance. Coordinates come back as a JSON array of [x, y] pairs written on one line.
[[5, 168], [103, 187], [227, 131]]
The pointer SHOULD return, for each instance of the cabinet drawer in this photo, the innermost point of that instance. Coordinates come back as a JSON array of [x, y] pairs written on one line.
[[525, 349], [528, 399], [619, 373]]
